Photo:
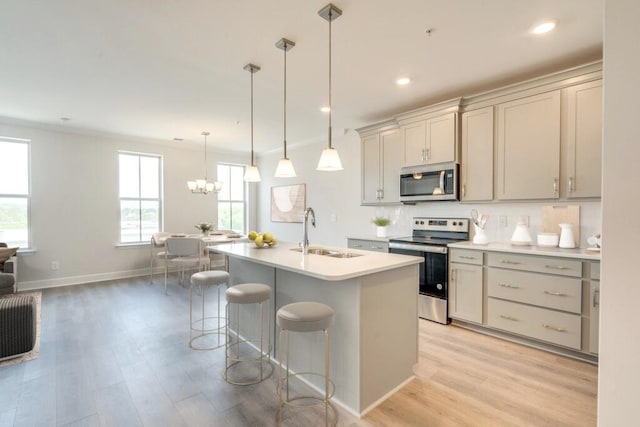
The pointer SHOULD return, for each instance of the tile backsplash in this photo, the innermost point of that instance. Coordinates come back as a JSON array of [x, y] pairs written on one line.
[[502, 221]]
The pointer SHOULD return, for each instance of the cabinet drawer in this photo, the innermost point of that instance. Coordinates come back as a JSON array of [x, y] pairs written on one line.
[[540, 264], [557, 292], [466, 256], [539, 323], [368, 245]]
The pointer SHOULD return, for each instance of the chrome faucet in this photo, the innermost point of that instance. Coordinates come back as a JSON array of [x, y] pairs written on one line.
[[305, 235]]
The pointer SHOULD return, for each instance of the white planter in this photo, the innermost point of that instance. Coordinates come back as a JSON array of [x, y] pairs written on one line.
[[381, 231]]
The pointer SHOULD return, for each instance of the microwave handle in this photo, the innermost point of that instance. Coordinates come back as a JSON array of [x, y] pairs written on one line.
[[442, 180]]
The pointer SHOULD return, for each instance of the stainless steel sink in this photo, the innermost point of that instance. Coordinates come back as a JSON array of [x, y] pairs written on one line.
[[316, 251], [344, 255], [327, 252]]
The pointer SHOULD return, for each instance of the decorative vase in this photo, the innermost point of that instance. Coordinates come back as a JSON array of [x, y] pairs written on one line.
[[381, 231]]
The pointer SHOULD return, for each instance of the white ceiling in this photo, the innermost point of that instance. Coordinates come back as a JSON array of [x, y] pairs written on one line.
[[172, 68]]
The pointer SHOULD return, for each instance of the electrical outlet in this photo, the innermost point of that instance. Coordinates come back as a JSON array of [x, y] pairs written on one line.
[[503, 221], [55, 265]]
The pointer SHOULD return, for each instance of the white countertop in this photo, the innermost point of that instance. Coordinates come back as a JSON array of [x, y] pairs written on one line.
[[318, 266], [579, 253]]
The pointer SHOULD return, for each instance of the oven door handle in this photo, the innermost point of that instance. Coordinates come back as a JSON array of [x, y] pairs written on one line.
[[419, 248]]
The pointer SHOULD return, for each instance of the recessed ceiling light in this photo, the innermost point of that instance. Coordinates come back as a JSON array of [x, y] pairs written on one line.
[[403, 81], [325, 109], [544, 27]]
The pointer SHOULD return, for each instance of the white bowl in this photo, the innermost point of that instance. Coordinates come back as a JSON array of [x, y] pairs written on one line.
[[548, 239]]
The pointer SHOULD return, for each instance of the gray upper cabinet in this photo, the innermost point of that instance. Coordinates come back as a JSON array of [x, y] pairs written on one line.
[[430, 141], [583, 163], [382, 157], [476, 169], [528, 147]]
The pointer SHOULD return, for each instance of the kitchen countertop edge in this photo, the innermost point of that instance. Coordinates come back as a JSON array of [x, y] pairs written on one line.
[[319, 266], [578, 253]]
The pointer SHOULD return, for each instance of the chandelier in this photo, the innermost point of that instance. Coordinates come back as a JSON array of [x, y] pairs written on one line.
[[202, 186]]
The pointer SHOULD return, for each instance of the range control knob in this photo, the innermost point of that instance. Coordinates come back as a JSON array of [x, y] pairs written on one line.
[[439, 286]]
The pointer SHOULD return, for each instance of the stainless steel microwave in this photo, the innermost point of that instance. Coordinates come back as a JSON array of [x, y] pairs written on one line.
[[425, 183]]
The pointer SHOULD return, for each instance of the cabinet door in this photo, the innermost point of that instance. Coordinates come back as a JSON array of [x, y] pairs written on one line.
[[414, 137], [465, 292], [368, 245], [441, 139], [477, 155], [529, 147], [584, 140], [371, 168], [392, 156]]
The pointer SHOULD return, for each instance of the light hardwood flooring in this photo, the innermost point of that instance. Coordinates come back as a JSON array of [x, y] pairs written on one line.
[[116, 354]]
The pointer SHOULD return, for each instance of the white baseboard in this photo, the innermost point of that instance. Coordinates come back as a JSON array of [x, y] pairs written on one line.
[[80, 280]]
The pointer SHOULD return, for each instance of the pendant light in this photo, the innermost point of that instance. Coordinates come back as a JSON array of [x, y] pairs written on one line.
[[202, 186], [251, 172], [285, 167], [329, 160]]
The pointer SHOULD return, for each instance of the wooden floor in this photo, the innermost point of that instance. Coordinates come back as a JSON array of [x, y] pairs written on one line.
[[116, 354]]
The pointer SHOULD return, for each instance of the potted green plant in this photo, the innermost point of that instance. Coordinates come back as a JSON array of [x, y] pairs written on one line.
[[381, 223], [204, 227]]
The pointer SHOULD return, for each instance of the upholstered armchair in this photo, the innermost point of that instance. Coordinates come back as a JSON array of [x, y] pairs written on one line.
[[8, 269]]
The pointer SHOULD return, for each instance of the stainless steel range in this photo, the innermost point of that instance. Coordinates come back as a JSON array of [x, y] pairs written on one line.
[[429, 239]]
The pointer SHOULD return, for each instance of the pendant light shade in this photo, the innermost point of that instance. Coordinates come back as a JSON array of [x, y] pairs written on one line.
[[285, 166], [329, 160], [202, 185], [251, 172]]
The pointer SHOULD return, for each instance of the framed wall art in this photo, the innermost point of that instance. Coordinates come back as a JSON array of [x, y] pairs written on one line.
[[288, 203]]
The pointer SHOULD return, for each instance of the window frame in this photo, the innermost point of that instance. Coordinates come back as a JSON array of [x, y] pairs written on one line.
[[159, 199], [230, 200], [26, 196]]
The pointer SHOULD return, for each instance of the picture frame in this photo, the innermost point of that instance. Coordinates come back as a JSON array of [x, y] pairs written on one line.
[[288, 203]]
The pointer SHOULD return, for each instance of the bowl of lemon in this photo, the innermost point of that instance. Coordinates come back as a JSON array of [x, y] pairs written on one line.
[[262, 240]]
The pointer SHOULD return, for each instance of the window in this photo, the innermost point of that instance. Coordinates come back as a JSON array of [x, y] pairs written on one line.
[[231, 200], [14, 192], [140, 196]]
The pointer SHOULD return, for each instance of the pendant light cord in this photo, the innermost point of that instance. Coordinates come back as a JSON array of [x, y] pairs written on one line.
[[330, 106], [205, 158], [285, 100], [252, 162]]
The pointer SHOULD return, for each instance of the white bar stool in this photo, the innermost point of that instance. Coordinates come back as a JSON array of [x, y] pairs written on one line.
[[305, 317], [235, 356], [205, 279]]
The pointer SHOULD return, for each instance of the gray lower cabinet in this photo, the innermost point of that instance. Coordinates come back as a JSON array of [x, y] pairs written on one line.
[[465, 285], [542, 299], [594, 308], [368, 245]]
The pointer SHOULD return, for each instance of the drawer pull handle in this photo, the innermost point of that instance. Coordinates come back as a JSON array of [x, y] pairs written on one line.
[[596, 298], [356, 246], [376, 247], [557, 267], [557, 294], [553, 328], [513, 319], [506, 285], [467, 257], [506, 261]]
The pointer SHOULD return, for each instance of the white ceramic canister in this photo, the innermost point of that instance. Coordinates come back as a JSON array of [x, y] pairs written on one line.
[[480, 236], [567, 240]]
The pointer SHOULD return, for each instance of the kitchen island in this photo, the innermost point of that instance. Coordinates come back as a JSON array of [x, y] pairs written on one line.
[[374, 341]]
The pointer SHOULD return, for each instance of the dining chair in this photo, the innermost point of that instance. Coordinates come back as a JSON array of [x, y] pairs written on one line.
[[184, 253], [157, 250]]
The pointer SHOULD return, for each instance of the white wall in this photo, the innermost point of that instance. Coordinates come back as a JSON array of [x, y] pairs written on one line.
[[338, 193], [75, 208], [619, 373]]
